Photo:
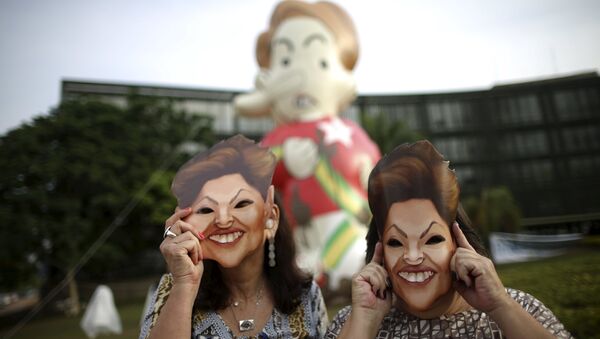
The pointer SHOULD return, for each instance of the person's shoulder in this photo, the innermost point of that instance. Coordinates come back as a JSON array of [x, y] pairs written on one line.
[[521, 297], [342, 314], [163, 289], [310, 289], [540, 312]]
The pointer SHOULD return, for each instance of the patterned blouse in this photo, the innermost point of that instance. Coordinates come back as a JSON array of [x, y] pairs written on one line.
[[467, 324], [308, 320]]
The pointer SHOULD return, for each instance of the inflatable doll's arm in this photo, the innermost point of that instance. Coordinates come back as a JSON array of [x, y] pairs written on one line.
[[260, 101], [300, 156]]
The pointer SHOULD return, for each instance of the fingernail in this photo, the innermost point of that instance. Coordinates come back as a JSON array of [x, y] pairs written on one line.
[[201, 236]]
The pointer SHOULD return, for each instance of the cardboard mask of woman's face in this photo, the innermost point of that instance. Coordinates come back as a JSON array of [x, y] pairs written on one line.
[[232, 216], [417, 247]]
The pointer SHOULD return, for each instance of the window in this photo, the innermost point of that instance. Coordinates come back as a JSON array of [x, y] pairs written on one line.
[[519, 110], [447, 115], [522, 144]]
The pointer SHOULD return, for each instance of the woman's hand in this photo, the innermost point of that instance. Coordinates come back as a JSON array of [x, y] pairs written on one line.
[[478, 283], [183, 252], [371, 299], [371, 295]]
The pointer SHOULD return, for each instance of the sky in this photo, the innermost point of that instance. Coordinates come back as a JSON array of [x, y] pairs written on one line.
[[416, 46]]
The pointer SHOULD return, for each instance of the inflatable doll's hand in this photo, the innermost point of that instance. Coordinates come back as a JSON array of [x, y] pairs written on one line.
[[268, 88], [300, 156], [365, 167]]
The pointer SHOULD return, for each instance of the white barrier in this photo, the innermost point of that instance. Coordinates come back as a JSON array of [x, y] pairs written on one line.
[[516, 247]]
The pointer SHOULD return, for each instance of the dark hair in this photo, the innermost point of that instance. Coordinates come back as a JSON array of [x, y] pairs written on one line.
[[237, 154], [416, 171], [286, 280]]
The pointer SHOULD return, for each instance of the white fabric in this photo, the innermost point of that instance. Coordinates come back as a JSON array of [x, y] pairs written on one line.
[[101, 316], [149, 301]]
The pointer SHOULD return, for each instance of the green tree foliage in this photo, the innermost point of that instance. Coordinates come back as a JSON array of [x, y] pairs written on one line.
[[66, 176], [388, 133], [494, 211]]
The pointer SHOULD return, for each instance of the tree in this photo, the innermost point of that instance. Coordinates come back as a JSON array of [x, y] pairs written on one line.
[[495, 211], [66, 176], [386, 133]]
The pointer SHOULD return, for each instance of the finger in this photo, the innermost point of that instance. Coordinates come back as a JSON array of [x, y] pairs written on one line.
[[192, 247], [463, 265], [460, 286], [461, 240], [181, 227], [376, 276], [378, 254], [463, 274], [179, 214]]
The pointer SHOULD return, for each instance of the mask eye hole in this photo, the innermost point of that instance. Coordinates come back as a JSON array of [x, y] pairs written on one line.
[[243, 203], [394, 243], [205, 210], [286, 62], [324, 64], [436, 239]]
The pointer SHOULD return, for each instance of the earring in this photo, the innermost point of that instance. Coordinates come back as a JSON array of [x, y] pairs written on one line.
[[272, 262], [269, 224]]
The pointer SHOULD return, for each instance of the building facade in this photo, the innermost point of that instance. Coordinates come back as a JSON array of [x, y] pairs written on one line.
[[541, 139]]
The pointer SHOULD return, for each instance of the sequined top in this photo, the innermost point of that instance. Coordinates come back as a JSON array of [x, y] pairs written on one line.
[[467, 324], [308, 320]]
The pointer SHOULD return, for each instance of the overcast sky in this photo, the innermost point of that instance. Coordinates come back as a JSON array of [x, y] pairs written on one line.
[[406, 46]]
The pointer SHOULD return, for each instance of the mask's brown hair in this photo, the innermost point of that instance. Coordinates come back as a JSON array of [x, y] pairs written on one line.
[[415, 171], [234, 155], [330, 14]]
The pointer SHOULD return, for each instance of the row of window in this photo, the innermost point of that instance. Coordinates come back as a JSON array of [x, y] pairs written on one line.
[[515, 110]]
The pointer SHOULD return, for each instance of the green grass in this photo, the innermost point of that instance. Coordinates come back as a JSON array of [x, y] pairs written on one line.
[[60, 327], [569, 285]]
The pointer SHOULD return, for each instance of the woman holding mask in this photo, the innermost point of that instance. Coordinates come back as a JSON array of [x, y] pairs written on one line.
[[231, 255], [427, 275]]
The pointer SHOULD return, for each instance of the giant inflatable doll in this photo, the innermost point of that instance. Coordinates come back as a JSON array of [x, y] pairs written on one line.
[[306, 58]]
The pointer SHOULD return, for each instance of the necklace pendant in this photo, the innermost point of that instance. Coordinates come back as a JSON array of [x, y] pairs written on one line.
[[246, 325]]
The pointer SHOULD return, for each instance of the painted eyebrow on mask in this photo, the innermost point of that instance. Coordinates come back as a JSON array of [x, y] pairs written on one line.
[[230, 201], [422, 234], [428, 228]]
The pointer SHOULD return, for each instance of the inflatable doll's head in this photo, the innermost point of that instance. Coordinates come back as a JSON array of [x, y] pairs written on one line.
[[414, 199], [306, 57]]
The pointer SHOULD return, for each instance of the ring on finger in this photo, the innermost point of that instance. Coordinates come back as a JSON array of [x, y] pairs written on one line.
[[169, 233]]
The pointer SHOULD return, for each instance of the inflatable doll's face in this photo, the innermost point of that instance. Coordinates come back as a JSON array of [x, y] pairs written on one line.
[[231, 214], [417, 247], [305, 49]]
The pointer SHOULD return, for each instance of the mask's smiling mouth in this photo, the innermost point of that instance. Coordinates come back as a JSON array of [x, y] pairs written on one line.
[[416, 277], [226, 238]]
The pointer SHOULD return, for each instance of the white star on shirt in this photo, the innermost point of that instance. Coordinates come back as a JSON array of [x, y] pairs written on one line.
[[336, 131]]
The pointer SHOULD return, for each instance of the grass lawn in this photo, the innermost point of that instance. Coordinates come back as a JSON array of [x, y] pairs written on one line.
[[569, 285], [60, 327]]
